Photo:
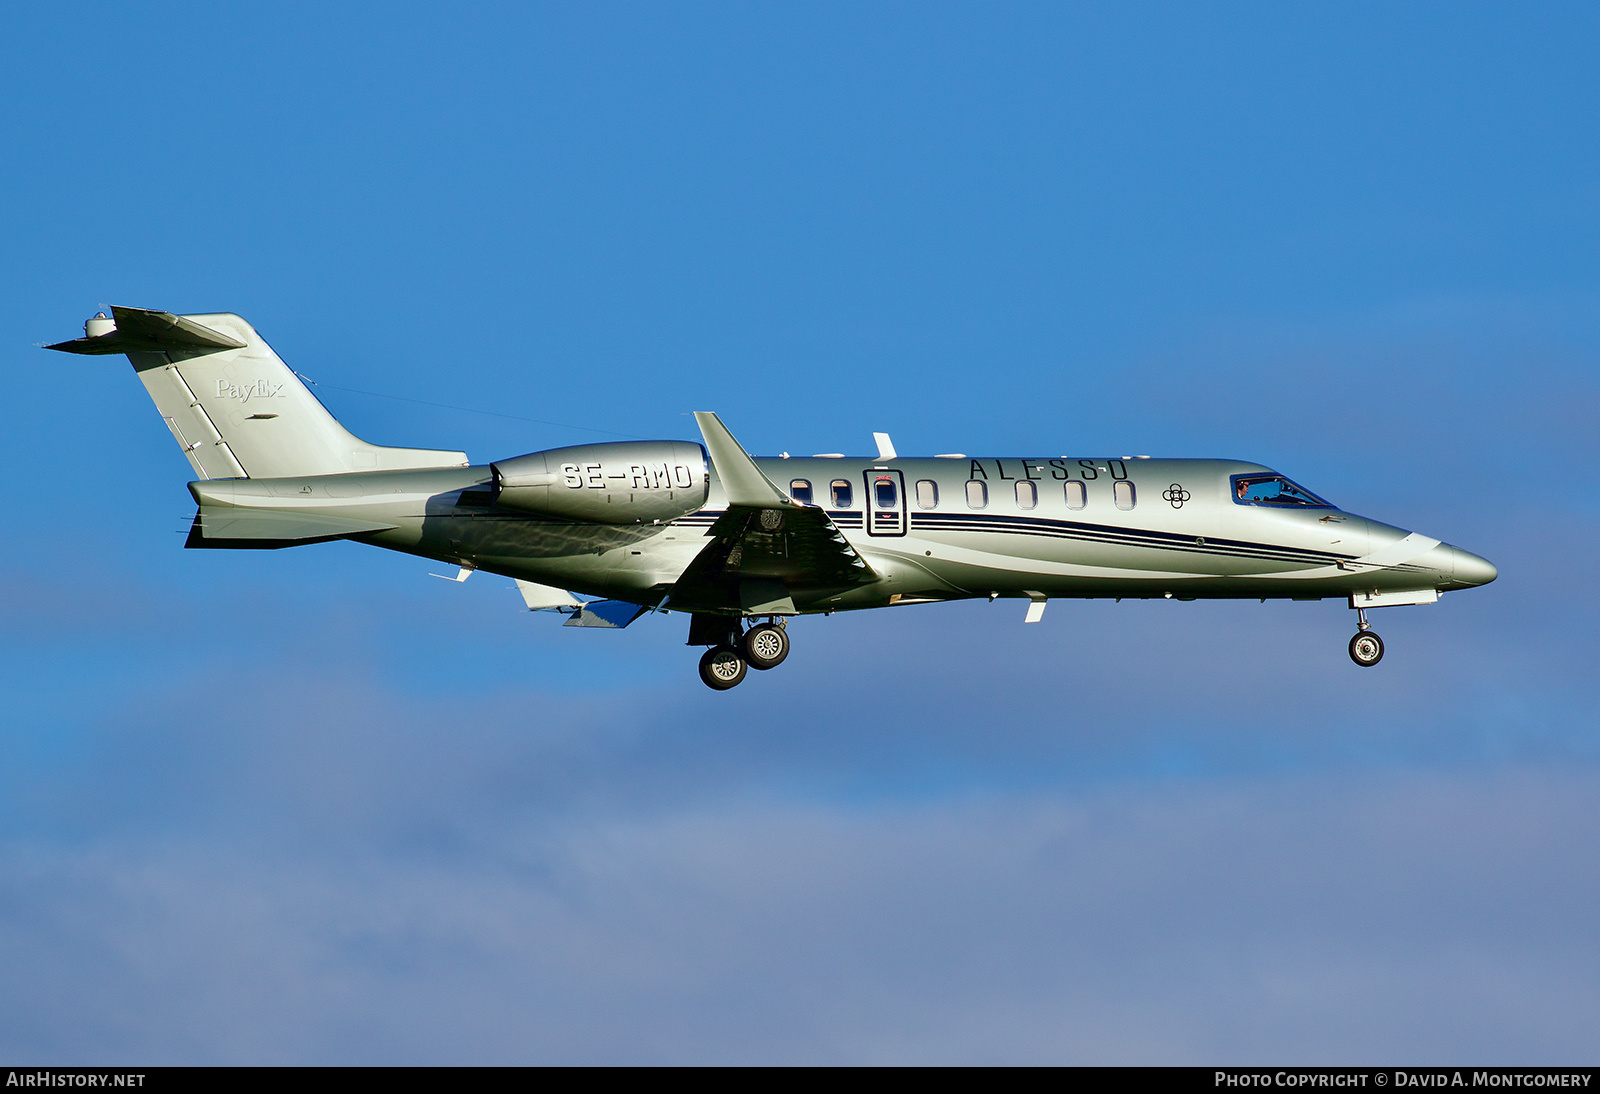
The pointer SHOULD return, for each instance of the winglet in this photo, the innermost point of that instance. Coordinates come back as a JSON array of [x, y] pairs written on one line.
[[742, 480]]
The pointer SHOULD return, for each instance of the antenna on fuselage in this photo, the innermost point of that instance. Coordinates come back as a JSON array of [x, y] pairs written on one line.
[[885, 446]]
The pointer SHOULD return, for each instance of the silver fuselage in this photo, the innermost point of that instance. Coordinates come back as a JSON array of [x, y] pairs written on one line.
[[1173, 529]]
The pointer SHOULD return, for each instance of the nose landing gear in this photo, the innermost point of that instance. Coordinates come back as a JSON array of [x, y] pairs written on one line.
[[1366, 648]]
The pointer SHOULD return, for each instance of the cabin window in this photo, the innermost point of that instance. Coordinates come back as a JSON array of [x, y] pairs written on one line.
[[1077, 495], [1273, 490], [885, 495], [1122, 494], [927, 494], [977, 494], [800, 491], [1027, 494], [842, 497]]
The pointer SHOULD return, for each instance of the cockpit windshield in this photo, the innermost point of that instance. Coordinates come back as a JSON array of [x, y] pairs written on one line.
[[1274, 490]]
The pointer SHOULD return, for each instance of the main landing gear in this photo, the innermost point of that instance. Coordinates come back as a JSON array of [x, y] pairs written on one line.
[[1366, 648], [763, 646], [766, 645], [722, 668]]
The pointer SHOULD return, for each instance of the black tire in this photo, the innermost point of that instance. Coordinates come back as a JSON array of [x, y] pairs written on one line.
[[721, 667], [765, 646], [1366, 649]]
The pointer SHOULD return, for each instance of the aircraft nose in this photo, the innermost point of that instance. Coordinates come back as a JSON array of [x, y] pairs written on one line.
[[1471, 569]]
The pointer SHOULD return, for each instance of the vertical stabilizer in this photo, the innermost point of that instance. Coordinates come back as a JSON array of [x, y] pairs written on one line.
[[235, 408]]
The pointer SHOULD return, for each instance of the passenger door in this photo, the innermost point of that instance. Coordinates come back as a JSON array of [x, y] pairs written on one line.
[[886, 503]]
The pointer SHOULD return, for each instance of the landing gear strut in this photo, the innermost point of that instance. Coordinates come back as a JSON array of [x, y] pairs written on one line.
[[1366, 648]]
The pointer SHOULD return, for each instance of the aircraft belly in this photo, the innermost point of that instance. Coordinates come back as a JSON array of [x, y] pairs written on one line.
[[616, 561], [515, 536]]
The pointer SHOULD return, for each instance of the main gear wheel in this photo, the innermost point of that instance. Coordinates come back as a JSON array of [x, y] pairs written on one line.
[[722, 668], [766, 645]]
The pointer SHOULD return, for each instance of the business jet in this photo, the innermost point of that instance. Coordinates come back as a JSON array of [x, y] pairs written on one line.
[[742, 544]]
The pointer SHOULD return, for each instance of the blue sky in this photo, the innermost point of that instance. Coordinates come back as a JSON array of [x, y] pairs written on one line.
[[315, 807]]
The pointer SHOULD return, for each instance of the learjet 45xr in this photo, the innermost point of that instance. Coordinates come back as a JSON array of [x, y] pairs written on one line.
[[742, 544]]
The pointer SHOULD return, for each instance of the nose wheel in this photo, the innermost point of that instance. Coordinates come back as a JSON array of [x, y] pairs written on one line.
[[1366, 648]]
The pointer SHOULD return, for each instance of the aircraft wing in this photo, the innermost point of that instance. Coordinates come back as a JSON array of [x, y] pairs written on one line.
[[766, 546]]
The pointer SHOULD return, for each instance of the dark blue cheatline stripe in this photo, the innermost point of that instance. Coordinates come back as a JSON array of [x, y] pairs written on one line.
[[1125, 537], [1264, 552], [1080, 531]]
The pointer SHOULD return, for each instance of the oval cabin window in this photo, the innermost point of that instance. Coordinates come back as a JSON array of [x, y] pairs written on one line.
[[1122, 493], [800, 491], [884, 493], [927, 494], [1027, 494], [839, 490], [1077, 495], [977, 494]]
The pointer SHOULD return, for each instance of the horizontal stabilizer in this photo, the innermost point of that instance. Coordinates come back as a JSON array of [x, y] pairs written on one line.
[[141, 331], [614, 614], [215, 526]]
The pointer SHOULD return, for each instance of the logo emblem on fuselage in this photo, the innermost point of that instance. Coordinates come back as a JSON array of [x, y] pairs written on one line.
[[255, 389], [1176, 494]]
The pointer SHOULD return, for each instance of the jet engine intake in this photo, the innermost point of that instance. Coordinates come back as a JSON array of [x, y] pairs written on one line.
[[622, 482]]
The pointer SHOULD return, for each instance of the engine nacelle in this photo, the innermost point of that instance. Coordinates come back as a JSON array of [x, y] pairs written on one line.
[[622, 482]]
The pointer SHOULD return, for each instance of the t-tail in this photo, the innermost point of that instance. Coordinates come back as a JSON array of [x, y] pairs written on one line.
[[234, 407]]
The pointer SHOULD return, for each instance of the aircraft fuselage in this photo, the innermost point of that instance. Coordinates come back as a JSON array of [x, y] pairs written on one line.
[[934, 529]]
